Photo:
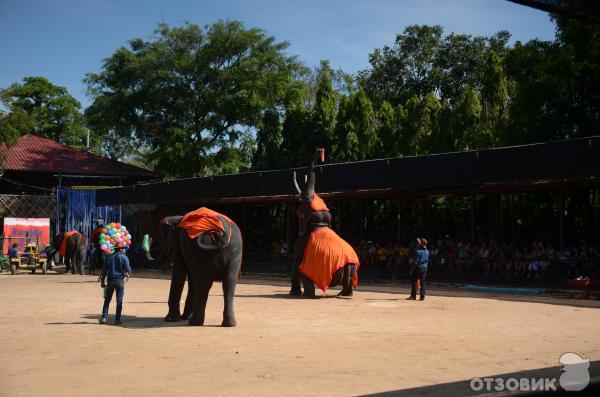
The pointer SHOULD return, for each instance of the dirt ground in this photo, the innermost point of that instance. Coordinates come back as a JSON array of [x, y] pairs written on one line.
[[377, 342]]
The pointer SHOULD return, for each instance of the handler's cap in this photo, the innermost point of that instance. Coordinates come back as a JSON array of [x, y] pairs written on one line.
[[422, 241], [119, 245]]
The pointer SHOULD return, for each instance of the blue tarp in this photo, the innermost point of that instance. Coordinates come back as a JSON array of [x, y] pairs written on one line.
[[76, 209]]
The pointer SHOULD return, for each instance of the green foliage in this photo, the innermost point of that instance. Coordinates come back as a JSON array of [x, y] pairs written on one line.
[[355, 134], [269, 140], [191, 94], [296, 126], [323, 113], [39, 107]]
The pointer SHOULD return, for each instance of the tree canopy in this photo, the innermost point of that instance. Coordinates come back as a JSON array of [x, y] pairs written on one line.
[[36, 106], [193, 94]]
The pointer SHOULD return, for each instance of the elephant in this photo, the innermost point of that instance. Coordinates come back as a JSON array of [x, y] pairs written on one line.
[[74, 250], [313, 218], [211, 254]]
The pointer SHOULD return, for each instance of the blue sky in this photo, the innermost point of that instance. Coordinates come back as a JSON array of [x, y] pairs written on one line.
[[65, 39]]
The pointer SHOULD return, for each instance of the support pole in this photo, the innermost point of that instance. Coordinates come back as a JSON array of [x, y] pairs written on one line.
[[473, 203], [561, 220], [398, 221]]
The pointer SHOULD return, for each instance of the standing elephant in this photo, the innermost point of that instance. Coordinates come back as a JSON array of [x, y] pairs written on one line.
[[72, 247], [205, 246], [320, 255]]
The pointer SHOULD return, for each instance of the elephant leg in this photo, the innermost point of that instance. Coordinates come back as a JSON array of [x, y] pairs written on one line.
[[201, 289], [296, 289], [177, 282], [189, 301], [229, 284], [347, 285], [309, 287]]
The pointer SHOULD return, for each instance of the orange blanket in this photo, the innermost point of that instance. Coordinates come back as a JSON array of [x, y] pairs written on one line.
[[202, 220], [63, 244], [318, 204], [324, 254]]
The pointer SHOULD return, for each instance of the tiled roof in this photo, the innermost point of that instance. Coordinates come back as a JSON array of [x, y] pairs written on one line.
[[32, 153]]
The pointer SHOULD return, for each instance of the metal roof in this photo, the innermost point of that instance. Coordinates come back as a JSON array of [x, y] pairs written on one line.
[[32, 153]]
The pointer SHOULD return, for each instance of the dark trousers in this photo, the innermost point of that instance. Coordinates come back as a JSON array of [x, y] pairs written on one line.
[[418, 273], [117, 285]]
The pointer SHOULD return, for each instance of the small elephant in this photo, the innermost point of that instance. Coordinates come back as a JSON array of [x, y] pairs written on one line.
[[72, 247], [205, 246], [338, 264]]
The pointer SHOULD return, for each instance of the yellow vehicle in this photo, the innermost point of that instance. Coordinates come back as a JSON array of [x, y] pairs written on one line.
[[30, 259]]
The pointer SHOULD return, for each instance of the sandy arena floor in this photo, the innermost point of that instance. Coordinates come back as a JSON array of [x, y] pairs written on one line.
[[377, 342]]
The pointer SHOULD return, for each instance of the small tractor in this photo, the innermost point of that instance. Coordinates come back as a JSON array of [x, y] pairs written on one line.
[[29, 260]]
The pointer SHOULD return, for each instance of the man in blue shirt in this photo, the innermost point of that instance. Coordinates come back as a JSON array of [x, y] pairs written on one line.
[[418, 269], [13, 252], [116, 268]]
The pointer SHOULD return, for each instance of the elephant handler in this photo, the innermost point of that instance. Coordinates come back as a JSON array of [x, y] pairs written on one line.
[[116, 268], [418, 269]]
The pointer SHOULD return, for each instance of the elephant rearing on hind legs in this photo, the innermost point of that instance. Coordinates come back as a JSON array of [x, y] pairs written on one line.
[[205, 246], [320, 256]]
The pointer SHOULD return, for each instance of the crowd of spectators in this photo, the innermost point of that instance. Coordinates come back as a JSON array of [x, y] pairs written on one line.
[[487, 258]]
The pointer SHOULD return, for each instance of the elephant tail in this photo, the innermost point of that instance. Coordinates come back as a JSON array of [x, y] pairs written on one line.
[[215, 239]]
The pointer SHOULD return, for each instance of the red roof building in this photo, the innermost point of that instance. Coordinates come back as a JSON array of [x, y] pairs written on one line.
[[35, 164]]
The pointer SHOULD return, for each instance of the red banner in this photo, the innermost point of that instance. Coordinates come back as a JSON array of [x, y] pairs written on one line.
[[22, 231]]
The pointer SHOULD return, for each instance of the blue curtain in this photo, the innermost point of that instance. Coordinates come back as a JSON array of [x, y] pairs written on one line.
[[76, 209]]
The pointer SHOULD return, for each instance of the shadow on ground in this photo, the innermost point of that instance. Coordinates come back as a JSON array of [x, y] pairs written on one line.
[[462, 388], [130, 322]]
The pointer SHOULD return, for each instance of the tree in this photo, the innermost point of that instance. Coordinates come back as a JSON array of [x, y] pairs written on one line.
[[422, 123], [323, 113], [36, 106], [191, 94], [269, 140], [356, 133], [295, 147], [389, 127], [401, 71]]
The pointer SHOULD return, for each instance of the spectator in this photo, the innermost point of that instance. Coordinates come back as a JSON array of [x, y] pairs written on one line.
[[418, 270]]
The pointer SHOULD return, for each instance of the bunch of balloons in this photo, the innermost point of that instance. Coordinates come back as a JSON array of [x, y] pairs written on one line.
[[112, 235]]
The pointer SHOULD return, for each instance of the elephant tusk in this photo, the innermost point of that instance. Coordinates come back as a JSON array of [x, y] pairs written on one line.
[[296, 184]]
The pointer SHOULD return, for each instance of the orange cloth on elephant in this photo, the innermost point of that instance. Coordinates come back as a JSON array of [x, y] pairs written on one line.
[[317, 204], [95, 235], [63, 244], [202, 220], [324, 254]]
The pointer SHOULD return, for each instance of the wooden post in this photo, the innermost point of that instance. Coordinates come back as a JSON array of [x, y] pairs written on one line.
[[589, 216], [561, 220], [398, 221], [512, 217], [288, 226], [473, 203]]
